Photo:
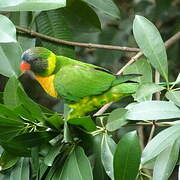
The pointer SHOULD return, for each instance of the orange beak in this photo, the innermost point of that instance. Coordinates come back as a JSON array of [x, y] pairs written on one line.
[[25, 66]]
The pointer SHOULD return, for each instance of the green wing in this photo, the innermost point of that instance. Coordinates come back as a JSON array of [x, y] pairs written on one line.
[[76, 82]]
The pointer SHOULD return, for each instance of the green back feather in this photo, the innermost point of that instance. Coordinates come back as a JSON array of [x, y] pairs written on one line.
[[75, 80]]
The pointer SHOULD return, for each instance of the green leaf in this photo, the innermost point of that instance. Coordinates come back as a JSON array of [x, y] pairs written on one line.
[[35, 160], [9, 132], [21, 170], [151, 44], [108, 7], [42, 170], [4, 176], [32, 5], [53, 23], [153, 110], [52, 153], [174, 96], [166, 162], [8, 112], [86, 122], [32, 139], [116, 119], [15, 150], [9, 3], [10, 97], [98, 169], [7, 31], [7, 160], [46, 110], [26, 20], [140, 67], [23, 113], [67, 133], [149, 164], [55, 120], [56, 169], [160, 142], [127, 157], [10, 54], [108, 147], [77, 166], [8, 122], [177, 81], [30, 105], [146, 90], [10, 127], [85, 20]]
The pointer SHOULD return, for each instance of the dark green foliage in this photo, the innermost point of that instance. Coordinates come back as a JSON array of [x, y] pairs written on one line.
[[53, 23], [127, 157], [37, 143]]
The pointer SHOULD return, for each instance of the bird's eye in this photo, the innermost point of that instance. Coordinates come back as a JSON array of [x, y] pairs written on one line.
[[38, 65], [32, 60]]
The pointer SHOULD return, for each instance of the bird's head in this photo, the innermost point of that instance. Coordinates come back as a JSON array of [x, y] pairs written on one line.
[[39, 60]]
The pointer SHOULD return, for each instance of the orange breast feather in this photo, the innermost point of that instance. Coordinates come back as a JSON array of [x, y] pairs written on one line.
[[47, 84]]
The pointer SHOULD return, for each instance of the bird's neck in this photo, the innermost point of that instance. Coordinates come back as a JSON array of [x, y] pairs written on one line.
[[62, 61]]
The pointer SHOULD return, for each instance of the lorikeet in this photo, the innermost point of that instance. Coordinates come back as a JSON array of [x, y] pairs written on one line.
[[85, 87]]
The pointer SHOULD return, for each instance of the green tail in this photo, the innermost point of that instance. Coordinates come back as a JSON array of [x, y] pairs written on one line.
[[92, 103]]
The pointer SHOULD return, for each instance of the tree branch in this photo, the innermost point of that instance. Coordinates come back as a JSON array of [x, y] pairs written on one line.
[[168, 43], [71, 43], [133, 59], [172, 40]]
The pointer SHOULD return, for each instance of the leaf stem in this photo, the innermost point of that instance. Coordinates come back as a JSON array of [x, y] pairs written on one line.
[[146, 175], [152, 131], [157, 80], [176, 89]]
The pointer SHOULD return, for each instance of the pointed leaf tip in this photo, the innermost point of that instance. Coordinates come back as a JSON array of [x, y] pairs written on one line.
[[151, 44], [137, 16]]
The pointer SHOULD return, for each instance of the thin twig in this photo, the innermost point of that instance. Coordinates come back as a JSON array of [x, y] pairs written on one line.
[[71, 43], [152, 131], [141, 136], [168, 43], [133, 59], [103, 109], [157, 80], [172, 40], [159, 124], [157, 96]]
